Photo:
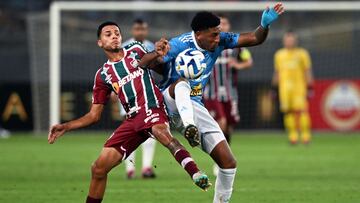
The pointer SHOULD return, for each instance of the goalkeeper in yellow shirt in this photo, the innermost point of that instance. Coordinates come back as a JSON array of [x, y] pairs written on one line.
[[293, 78]]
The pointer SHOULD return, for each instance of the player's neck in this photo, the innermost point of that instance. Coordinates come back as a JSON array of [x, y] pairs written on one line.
[[139, 40], [290, 48], [199, 43], [115, 56]]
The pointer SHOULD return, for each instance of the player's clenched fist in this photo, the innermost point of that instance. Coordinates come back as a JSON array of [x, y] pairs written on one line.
[[55, 132], [162, 47]]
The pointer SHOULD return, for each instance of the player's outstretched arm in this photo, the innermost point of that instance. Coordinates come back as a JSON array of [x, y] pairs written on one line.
[[150, 60], [260, 34], [240, 65], [246, 60], [91, 117]]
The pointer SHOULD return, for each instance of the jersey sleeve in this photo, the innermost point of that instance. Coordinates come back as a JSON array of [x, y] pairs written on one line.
[[306, 59], [176, 46], [101, 91], [138, 47], [229, 40]]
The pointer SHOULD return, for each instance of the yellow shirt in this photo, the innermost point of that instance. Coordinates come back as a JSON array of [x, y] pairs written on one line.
[[291, 66]]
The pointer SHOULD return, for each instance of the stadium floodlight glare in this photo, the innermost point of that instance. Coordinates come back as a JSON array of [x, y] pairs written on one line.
[[57, 7]]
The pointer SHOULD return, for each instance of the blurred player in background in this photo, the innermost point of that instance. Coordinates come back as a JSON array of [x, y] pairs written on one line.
[[143, 102], [183, 97], [294, 80], [221, 93], [139, 33]]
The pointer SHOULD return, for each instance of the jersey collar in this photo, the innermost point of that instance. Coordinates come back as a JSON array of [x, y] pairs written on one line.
[[113, 62], [196, 44]]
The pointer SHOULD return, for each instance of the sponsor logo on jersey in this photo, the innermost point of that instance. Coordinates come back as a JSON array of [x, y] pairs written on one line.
[[154, 120], [117, 85], [341, 105], [196, 90], [131, 76], [152, 117]]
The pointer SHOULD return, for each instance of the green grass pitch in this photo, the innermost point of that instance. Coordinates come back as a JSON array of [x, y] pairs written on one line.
[[269, 171]]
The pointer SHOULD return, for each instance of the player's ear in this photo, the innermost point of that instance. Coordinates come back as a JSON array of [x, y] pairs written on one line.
[[198, 35], [99, 42]]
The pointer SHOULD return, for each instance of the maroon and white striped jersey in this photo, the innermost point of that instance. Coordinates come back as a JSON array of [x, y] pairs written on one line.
[[133, 85]]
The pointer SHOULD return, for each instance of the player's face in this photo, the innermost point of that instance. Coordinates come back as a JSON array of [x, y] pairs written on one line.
[[209, 39], [140, 31], [110, 38], [290, 40], [224, 24]]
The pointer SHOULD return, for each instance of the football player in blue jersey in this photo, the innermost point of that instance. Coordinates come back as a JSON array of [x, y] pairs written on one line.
[[184, 97]]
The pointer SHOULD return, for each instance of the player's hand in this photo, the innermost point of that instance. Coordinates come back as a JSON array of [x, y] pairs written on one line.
[[271, 14], [162, 47], [55, 132], [232, 62]]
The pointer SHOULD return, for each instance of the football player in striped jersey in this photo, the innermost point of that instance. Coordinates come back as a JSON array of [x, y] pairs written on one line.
[[143, 103], [139, 32]]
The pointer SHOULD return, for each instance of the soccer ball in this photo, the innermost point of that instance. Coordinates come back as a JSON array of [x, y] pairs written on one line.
[[190, 63]]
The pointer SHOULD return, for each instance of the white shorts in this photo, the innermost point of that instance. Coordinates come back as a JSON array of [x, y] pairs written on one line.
[[210, 131]]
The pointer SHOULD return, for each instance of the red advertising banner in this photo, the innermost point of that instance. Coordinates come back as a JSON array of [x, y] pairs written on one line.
[[336, 105]]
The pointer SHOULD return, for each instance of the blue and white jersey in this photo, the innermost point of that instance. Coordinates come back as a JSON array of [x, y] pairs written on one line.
[[178, 44]]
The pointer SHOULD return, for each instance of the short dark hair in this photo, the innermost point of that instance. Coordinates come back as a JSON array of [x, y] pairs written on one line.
[[204, 20], [290, 31], [102, 25], [139, 21]]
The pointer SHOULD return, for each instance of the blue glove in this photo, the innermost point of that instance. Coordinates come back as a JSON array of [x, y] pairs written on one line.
[[268, 17]]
